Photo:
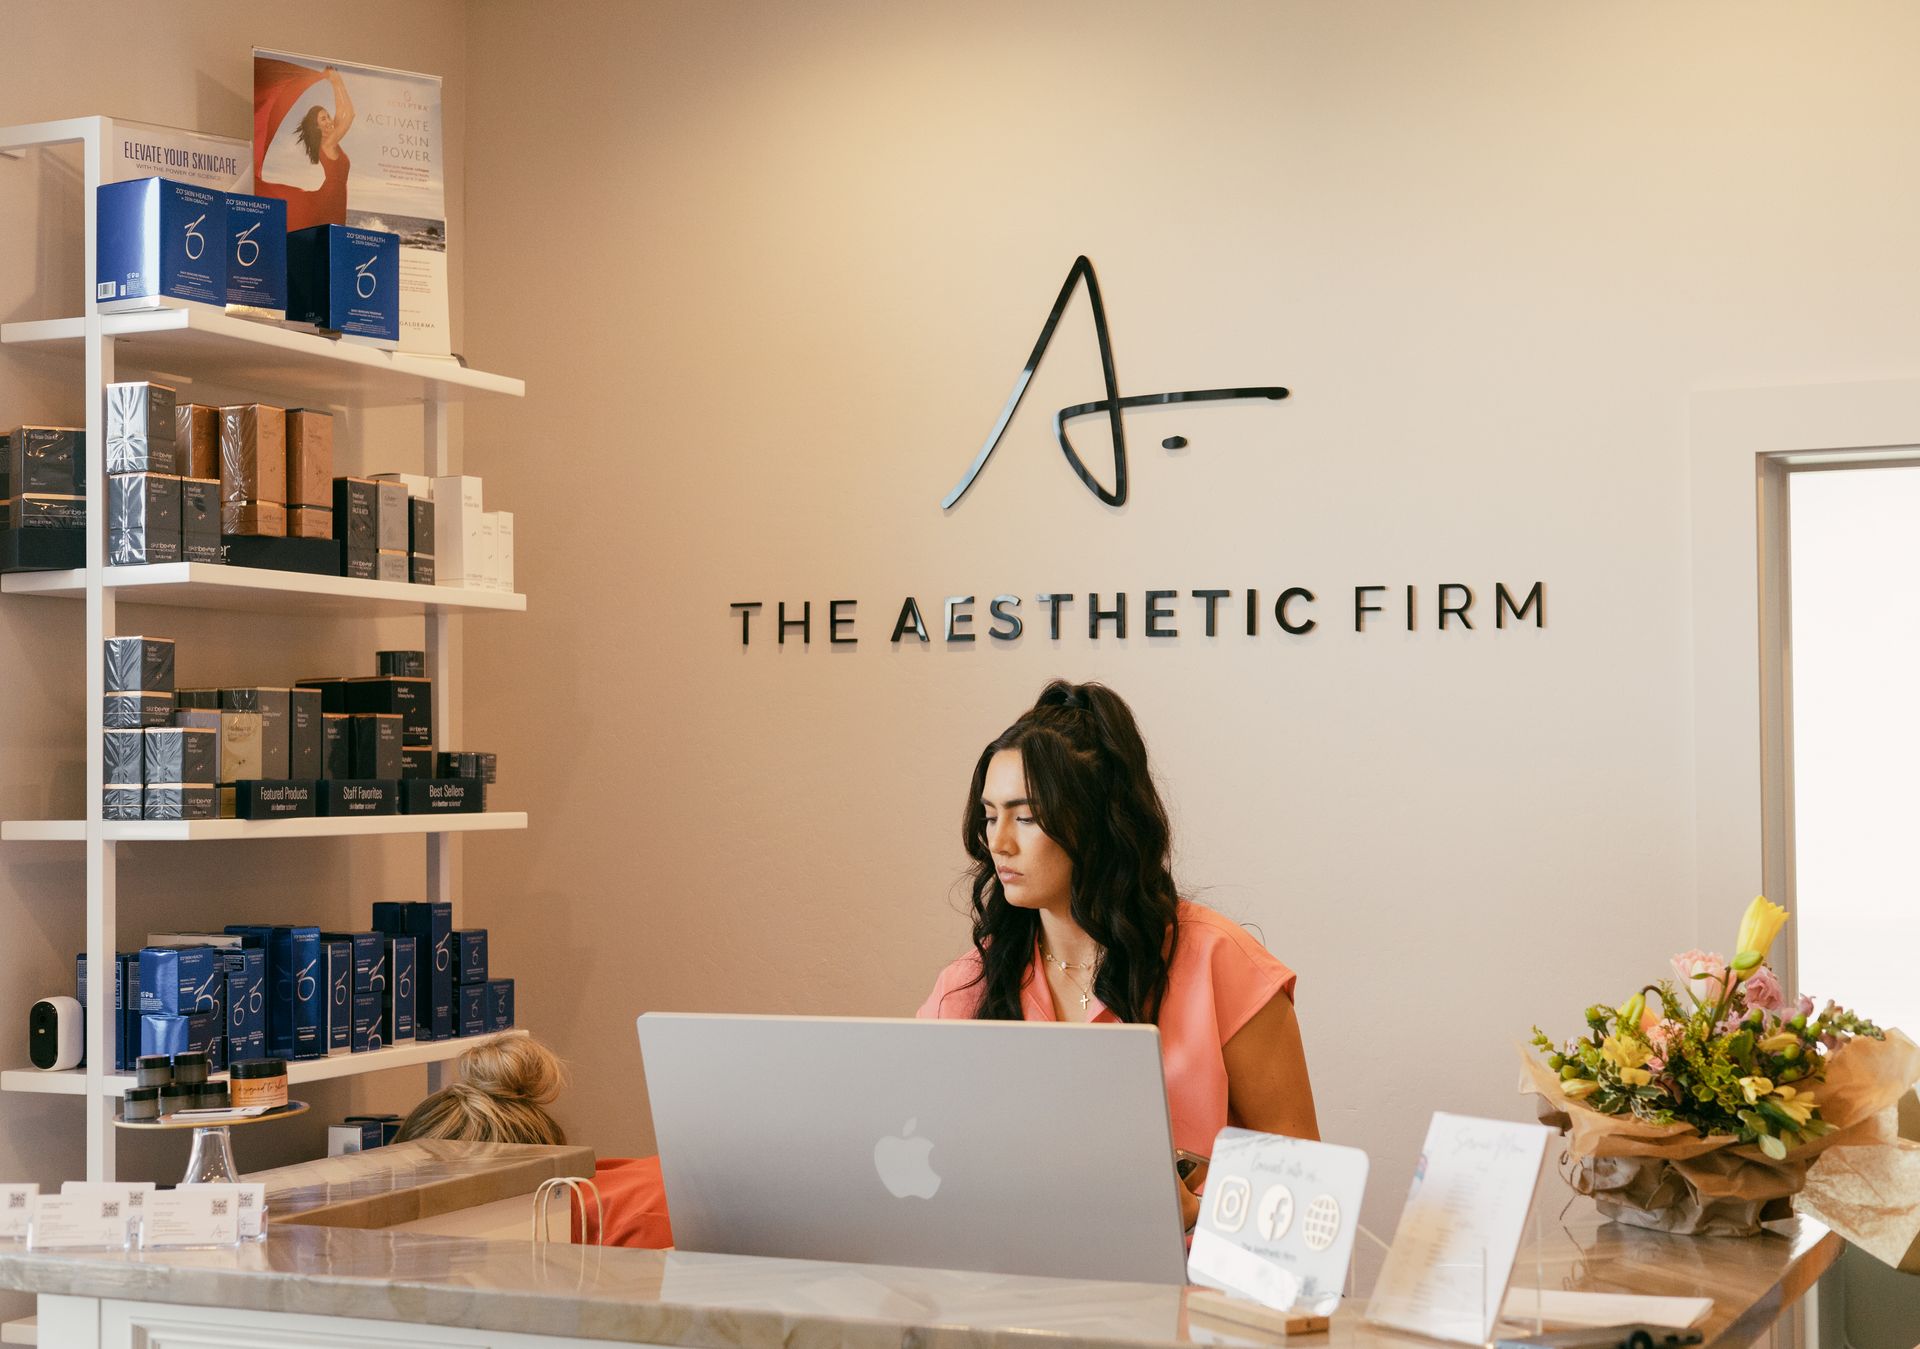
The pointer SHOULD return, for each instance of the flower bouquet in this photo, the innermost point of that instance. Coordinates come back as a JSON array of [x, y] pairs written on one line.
[[1698, 1104]]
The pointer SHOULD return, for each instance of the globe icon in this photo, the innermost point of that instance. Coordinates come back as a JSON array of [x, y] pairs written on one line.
[[1322, 1222]]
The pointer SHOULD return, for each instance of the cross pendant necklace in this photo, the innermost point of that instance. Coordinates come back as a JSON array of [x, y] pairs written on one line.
[[1066, 970]]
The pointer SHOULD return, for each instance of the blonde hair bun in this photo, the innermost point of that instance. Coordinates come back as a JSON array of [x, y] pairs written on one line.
[[515, 1067]]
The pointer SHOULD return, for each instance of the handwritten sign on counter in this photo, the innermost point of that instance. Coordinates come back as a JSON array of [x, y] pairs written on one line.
[[1460, 1232]]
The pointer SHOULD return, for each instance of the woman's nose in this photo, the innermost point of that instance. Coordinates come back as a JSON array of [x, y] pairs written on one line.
[[999, 838]]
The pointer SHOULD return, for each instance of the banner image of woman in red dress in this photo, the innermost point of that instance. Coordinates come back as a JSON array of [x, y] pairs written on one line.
[[280, 86]]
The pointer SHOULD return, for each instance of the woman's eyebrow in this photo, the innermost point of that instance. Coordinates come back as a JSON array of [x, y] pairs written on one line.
[[1007, 805]]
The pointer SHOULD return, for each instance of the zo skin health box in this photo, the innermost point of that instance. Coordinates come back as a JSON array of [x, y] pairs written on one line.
[[256, 255], [196, 439], [309, 458], [345, 280], [253, 455], [401, 993], [366, 1015], [139, 664], [200, 520], [499, 1004], [471, 1008], [471, 966], [368, 950], [295, 1015], [141, 429], [246, 1003], [143, 519], [179, 981], [159, 241], [339, 995], [431, 927]]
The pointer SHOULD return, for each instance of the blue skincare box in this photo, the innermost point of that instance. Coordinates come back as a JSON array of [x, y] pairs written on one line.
[[158, 240], [257, 252], [339, 995], [251, 935], [179, 981], [246, 1004], [366, 1015], [399, 995], [130, 1014], [376, 1023], [471, 944], [369, 949], [202, 1033], [499, 1004], [473, 1009], [296, 1016], [431, 927], [125, 1033], [346, 280]]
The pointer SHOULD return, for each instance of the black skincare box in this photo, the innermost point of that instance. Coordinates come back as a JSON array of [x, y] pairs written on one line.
[[442, 796], [416, 761], [198, 719], [390, 566], [406, 664], [139, 664], [131, 711], [199, 700], [143, 519], [47, 459], [119, 802], [314, 557], [332, 689], [356, 514], [358, 796], [184, 802], [271, 800], [140, 429], [200, 520], [181, 756], [420, 569], [124, 759], [452, 763], [306, 735], [336, 745], [408, 698], [376, 739], [275, 707], [420, 526]]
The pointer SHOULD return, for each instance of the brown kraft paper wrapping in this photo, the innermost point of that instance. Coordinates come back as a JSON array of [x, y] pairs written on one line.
[[309, 522], [310, 460], [264, 519], [1870, 1193], [253, 454], [1670, 1177], [196, 436]]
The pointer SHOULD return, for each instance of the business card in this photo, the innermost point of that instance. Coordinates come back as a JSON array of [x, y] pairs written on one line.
[[16, 1209], [191, 1216], [63, 1222]]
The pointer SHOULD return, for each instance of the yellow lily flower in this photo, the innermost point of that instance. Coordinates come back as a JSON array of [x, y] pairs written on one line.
[[1624, 1054], [1579, 1088], [1755, 1088], [1636, 1077], [1778, 1041], [1798, 1105], [1760, 926]]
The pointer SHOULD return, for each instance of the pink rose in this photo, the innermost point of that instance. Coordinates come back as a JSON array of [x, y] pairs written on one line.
[[1763, 991], [1702, 974]]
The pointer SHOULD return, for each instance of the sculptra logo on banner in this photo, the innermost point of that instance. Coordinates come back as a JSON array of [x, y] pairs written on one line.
[[1296, 609]]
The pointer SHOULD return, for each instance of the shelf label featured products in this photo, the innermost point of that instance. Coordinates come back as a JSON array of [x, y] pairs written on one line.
[[358, 145]]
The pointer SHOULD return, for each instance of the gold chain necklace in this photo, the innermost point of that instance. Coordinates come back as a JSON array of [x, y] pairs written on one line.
[[1066, 969]]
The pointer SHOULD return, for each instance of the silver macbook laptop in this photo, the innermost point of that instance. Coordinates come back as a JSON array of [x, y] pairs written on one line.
[[1005, 1146]]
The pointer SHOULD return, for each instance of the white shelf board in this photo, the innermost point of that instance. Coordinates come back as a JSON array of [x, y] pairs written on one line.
[[182, 345], [25, 1330], [180, 831], [73, 1081], [207, 585]]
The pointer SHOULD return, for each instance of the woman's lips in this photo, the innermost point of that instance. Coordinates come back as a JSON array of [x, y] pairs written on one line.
[[1008, 875]]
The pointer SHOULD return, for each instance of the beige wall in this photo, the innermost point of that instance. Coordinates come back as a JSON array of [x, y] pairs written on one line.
[[769, 270], [179, 65]]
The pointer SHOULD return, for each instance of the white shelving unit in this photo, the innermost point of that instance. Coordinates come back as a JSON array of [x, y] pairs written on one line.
[[185, 347]]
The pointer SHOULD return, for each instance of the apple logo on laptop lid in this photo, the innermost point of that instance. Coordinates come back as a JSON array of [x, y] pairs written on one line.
[[901, 1160]]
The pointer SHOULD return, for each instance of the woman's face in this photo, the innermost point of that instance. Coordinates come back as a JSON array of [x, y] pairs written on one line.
[[1035, 872], [325, 122]]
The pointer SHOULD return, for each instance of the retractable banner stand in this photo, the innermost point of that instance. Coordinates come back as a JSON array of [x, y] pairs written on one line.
[[346, 144]]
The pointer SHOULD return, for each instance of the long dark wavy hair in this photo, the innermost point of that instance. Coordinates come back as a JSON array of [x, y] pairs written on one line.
[[1090, 790]]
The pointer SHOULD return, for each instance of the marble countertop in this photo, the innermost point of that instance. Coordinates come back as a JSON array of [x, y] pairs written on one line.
[[406, 1181], [686, 1298]]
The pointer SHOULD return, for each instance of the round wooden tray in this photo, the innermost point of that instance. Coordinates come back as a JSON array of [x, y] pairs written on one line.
[[287, 1111]]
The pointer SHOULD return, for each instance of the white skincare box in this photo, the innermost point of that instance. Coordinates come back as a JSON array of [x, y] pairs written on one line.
[[503, 531], [489, 551], [457, 513]]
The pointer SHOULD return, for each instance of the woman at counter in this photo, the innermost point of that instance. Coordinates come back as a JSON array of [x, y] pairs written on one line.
[[1076, 918]]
